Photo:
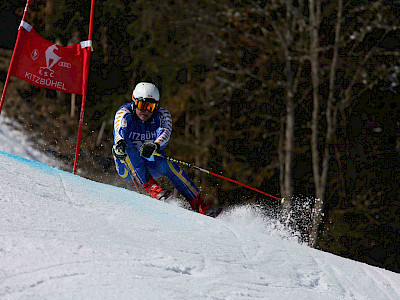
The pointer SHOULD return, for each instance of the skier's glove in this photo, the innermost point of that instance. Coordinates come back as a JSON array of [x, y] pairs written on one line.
[[118, 150], [148, 149]]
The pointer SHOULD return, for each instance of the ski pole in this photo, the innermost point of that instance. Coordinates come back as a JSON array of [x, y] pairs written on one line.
[[131, 173], [217, 175]]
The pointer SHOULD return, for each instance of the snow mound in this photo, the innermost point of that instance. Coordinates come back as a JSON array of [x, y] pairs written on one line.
[[63, 236]]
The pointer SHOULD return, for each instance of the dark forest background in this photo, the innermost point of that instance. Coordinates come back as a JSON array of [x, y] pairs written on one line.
[[296, 98]]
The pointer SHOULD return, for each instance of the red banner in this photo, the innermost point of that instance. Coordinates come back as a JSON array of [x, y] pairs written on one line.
[[48, 65]]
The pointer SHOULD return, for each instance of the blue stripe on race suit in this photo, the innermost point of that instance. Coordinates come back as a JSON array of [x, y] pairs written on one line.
[[187, 183], [128, 161]]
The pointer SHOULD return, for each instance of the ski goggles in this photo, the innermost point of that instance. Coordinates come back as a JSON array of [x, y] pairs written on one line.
[[146, 104]]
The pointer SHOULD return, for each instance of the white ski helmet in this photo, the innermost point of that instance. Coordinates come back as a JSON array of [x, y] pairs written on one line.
[[145, 90]]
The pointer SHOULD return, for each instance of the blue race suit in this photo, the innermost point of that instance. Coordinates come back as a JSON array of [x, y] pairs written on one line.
[[135, 132]]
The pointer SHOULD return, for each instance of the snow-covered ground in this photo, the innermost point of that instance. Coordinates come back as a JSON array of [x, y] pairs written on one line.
[[66, 237], [14, 141]]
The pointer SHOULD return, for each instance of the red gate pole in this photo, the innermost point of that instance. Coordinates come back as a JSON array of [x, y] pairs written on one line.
[[3, 95], [85, 79]]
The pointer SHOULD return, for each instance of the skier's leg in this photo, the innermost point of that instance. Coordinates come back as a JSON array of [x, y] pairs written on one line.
[[138, 166], [177, 176], [182, 183]]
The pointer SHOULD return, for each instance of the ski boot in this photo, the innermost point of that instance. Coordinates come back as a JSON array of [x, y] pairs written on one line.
[[200, 206], [155, 191]]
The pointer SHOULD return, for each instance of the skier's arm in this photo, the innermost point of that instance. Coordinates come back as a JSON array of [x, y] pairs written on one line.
[[165, 129], [120, 124]]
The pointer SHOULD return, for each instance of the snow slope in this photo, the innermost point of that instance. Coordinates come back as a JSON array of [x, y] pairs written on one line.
[[66, 237]]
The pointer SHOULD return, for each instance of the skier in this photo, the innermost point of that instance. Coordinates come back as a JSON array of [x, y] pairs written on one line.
[[141, 129]]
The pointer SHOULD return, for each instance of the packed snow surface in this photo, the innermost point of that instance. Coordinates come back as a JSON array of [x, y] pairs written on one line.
[[66, 237]]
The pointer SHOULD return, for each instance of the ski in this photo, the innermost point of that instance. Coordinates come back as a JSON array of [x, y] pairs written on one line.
[[218, 212], [214, 213]]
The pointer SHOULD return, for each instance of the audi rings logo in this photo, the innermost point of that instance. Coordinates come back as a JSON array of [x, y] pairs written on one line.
[[64, 64]]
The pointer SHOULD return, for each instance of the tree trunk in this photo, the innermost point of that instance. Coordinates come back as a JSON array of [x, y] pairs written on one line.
[[289, 142], [314, 8], [73, 100], [197, 128], [290, 87], [101, 133], [321, 172], [48, 15], [289, 139]]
